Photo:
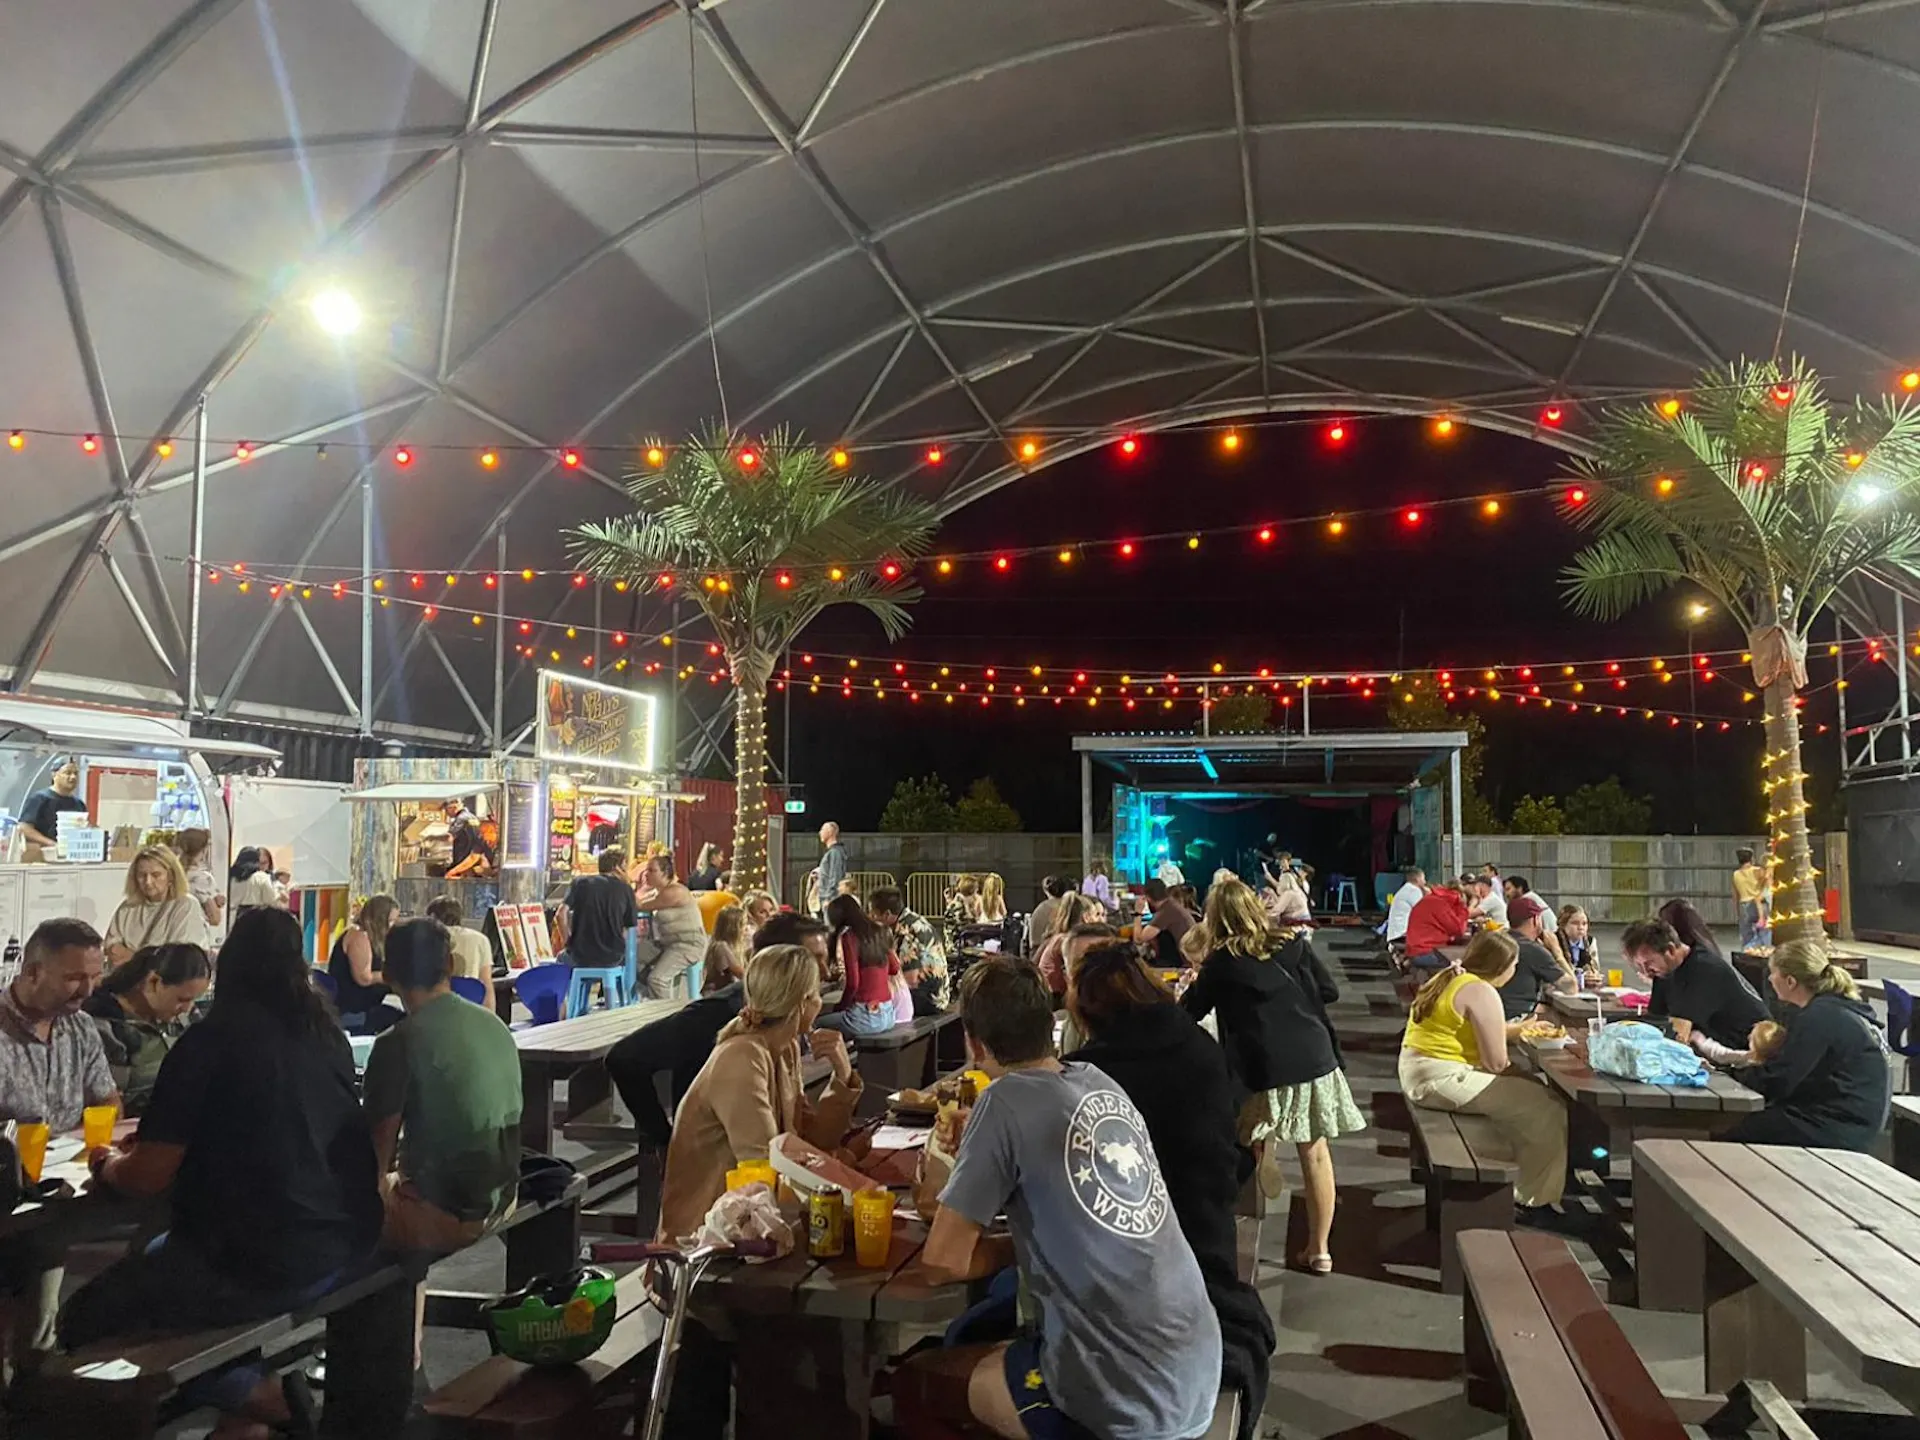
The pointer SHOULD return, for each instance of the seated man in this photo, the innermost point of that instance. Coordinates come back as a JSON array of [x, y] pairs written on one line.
[[52, 1066], [1515, 887], [1438, 918], [442, 1096], [472, 951], [1536, 970], [596, 916], [1698, 986], [677, 1045], [1166, 929], [1412, 891], [1127, 1342], [1040, 922], [922, 963], [1485, 901]]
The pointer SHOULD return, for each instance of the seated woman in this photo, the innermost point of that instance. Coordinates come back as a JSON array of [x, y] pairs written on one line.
[[256, 1136], [360, 991], [1829, 1083], [866, 950], [727, 950], [1138, 1035], [159, 909], [1454, 1057], [140, 1011], [1050, 959], [993, 900]]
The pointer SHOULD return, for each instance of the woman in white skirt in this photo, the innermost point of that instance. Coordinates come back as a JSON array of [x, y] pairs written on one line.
[[1269, 991], [1454, 1057]]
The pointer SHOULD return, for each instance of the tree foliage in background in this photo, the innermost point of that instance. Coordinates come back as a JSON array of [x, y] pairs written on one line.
[[1537, 815], [1424, 709], [982, 810], [1777, 497], [728, 533], [918, 806], [1606, 808], [1250, 713]]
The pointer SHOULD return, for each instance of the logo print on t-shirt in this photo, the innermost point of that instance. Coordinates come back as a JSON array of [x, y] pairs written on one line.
[[1110, 1165]]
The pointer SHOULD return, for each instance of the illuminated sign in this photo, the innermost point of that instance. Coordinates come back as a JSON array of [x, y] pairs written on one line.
[[587, 723]]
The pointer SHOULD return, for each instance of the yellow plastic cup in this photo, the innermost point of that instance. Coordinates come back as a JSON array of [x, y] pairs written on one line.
[[872, 1227], [1615, 978], [96, 1125], [30, 1136], [981, 1080]]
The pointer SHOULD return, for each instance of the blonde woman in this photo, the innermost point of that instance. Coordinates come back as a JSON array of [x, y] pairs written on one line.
[[993, 900], [159, 908], [1454, 1057], [1270, 991], [749, 1090], [1829, 1084], [760, 907], [726, 959]]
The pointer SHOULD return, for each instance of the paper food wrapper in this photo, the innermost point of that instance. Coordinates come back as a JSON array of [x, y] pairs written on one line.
[[749, 1213], [810, 1170]]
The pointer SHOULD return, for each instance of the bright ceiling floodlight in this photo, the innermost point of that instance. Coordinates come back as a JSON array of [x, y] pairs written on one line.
[[1865, 492], [335, 311]]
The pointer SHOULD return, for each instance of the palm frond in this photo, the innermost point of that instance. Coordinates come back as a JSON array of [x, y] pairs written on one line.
[[1619, 571]]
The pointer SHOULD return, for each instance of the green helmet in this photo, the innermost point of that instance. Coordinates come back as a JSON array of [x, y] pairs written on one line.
[[557, 1319]]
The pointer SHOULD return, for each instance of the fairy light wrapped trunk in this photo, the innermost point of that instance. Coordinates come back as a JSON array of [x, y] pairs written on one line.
[[1780, 671]]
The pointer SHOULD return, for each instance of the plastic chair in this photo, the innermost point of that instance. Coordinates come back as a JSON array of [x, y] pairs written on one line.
[[468, 988], [1900, 1037], [323, 982], [1344, 894], [541, 988], [612, 980]]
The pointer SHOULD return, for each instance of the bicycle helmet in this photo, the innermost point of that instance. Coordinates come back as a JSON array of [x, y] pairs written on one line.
[[556, 1319]]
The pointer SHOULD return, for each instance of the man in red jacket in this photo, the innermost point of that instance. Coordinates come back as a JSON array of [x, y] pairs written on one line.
[[1439, 918]]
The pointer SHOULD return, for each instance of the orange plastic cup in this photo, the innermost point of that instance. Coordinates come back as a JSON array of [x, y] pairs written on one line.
[[96, 1125], [30, 1136], [872, 1227]]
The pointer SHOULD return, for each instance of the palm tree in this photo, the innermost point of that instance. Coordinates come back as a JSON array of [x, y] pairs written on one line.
[[776, 533], [1770, 498]]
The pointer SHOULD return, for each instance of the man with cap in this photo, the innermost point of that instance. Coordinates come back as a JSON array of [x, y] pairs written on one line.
[[1536, 971]]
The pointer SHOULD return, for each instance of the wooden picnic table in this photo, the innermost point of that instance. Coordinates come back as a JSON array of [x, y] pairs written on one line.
[[1753, 966], [845, 1319], [1766, 1243], [1576, 1007], [573, 1050]]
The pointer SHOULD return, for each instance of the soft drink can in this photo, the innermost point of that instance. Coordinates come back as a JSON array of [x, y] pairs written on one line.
[[826, 1224]]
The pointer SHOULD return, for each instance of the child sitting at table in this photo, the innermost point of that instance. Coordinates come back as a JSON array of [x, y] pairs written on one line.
[[1763, 1043]]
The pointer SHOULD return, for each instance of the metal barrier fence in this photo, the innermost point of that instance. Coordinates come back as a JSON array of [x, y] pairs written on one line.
[[927, 890]]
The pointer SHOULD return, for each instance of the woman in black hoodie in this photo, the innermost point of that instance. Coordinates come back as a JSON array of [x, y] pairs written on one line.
[[1829, 1084], [1272, 991], [1177, 1078]]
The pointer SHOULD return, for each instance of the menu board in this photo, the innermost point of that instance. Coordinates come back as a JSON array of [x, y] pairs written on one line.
[[522, 850], [533, 922], [594, 724], [513, 939], [561, 824]]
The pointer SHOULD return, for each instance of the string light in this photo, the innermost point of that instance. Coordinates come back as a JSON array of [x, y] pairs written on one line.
[[1336, 434], [90, 443], [1230, 442], [935, 454], [1443, 427], [1670, 406], [1552, 416], [164, 449], [403, 457], [1490, 508], [841, 459], [656, 457], [1129, 446], [570, 459], [16, 440], [488, 459]]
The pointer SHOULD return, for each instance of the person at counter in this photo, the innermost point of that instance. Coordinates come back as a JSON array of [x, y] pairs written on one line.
[[195, 849], [472, 855], [40, 816], [678, 936], [158, 910], [356, 966], [708, 868]]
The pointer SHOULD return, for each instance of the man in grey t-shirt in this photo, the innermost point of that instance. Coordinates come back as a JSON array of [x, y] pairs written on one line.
[[1125, 1344]]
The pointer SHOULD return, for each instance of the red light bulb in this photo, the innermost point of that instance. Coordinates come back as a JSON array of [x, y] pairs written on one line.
[[749, 458], [90, 443], [783, 580], [1002, 563], [1411, 517], [416, 581], [1126, 549], [1266, 534], [570, 459], [1552, 415], [935, 455], [1782, 393], [1336, 433], [1576, 496], [1129, 447], [890, 570], [403, 456]]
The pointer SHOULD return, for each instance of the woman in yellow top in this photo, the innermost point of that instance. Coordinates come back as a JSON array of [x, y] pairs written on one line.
[[1750, 900], [1454, 1057]]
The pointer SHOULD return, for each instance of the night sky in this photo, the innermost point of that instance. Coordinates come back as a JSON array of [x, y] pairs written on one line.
[[1459, 590]]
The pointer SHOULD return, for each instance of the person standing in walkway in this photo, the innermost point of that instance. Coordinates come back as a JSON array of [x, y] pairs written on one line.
[[831, 873], [1750, 895], [1271, 990], [1454, 1057]]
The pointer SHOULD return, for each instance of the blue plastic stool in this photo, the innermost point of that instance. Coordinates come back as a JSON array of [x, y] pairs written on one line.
[[468, 988], [612, 980], [540, 988], [1346, 894]]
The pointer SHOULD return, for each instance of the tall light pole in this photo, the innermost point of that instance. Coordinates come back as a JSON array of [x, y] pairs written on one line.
[[1696, 612]]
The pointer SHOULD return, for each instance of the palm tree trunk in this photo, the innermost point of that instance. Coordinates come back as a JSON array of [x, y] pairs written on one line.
[[750, 778], [1796, 899]]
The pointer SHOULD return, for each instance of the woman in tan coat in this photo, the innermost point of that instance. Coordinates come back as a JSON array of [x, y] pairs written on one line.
[[749, 1090]]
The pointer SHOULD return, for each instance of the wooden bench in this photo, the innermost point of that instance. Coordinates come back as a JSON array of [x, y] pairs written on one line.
[[1905, 1120], [1468, 1169], [906, 1057], [368, 1328], [503, 1399], [1541, 1347]]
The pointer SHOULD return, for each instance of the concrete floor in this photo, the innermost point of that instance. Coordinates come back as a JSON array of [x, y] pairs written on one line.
[[1371, 1352]]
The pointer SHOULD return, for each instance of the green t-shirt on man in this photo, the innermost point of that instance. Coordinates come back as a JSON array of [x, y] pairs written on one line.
[[451, 1073]]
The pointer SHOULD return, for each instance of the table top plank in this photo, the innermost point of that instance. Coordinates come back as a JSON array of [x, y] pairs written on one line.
[[845, 1289], [585, 1038], [1887, 1183], [1870, 1208], [1871, 1258], [1878, 1341]]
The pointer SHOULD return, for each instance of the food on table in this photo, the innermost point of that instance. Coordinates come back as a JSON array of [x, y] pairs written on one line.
[[1541, 1030]]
